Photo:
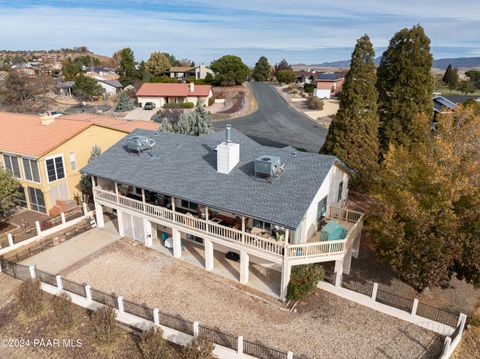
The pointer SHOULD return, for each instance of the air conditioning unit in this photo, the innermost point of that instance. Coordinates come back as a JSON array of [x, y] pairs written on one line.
[[267, 166], [140, 143]]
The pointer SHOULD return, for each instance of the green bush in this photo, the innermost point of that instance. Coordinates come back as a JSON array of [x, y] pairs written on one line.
[[304, 280], [163, 79], [211, 101], [153, 345], [314, 103], [309, 88], [179, 105], [104, 327], [286, 76], [63, 310], [30, 297], [199, 348]]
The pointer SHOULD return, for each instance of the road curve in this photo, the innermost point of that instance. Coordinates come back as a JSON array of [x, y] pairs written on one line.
[[276, 124]]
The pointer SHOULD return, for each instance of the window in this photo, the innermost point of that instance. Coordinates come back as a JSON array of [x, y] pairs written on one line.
[[30, 168], [55, 169], [188, 205], [22, 201], [73, 161], [37, 202], [340, 192], [322, 207], [11, 164], [261, 224]]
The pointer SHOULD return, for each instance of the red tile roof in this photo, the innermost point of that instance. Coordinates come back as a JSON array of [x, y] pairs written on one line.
[[172, 90], [24, 134]]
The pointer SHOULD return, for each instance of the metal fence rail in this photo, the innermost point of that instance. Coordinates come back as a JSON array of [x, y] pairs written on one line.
[[73, 287], [218, 337], [22, 272], [141, 311], [44, 276], [262, 352], [437, 314], [362, 288], [394, 300], [177, 323], [103, 298]]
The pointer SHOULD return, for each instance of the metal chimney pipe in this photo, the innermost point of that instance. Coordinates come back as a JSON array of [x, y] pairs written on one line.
[[228, 134]]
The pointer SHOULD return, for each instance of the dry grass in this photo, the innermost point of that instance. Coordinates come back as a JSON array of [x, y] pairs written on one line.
[[470, 346]]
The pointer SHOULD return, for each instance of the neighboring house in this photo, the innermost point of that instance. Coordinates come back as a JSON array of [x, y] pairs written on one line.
[[304, 77], [442, 104], [327, 85], [183, 72], [162, 93], [45, 153], [65, 88], [229, 194], [110, 87]]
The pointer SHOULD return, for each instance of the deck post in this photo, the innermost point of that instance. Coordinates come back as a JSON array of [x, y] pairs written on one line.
[[286, 271], [116, 192], [93, 182], [156, 316], [177, 243], [243, 229], [88, 293], [121, 228], [338, 272], [347, 262], [99, 215], [172, 200], [244, 267], [414, 307], [143, 199], [209, 258], [207, 217]]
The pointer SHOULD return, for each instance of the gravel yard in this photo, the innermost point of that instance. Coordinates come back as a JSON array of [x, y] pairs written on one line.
[[325, 326]]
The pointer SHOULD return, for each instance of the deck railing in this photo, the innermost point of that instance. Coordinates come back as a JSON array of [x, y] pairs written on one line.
[[313, 249]]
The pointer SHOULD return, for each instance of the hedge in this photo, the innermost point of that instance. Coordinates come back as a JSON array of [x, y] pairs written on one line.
[[304, 280], [179, 105]]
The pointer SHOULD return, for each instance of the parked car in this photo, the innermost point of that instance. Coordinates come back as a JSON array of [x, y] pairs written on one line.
[[149, 106]]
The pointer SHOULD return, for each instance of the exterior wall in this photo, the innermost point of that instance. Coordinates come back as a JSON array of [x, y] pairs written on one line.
[[329, 187], [202, 71], [108, 89]]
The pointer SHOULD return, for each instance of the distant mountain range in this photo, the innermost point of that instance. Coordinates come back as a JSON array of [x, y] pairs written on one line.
[[459, 62]]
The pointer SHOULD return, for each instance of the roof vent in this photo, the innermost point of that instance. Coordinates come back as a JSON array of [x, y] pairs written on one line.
[[140, 143], [268, 166], [228, 136]]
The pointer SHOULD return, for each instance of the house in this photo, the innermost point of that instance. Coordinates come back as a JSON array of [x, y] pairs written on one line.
[[304, 77], [183, 72], [327, 85], [45, 153], [442, 104], [229, 194], [109, 82], [162, 93]]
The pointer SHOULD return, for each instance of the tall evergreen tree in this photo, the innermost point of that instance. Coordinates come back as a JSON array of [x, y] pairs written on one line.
[[405, 86], [450, 77], [353, 134], [124, 103], [261, 72], [126, 68]]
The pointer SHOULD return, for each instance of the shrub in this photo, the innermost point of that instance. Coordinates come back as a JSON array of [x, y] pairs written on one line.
[[63, 310], [153, 345], [315, 103], [179, 105], [163, 79], [309, 88], [286, 76], [211, 101], [475, 320], [103, 325], [304, 280], [30, 297], [199, 348]]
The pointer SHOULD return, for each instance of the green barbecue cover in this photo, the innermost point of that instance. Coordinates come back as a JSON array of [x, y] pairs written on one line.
[[332, 231]]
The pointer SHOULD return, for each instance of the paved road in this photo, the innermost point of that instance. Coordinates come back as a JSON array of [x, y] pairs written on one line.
[[276, 124]]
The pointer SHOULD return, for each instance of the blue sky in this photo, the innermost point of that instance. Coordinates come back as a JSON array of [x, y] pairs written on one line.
[[307, 31]]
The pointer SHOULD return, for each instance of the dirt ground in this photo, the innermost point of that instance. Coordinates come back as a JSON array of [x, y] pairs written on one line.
[[239, 101], [27, 338], [331, 328]]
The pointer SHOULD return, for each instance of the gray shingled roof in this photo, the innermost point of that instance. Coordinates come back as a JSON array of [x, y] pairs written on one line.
[[185, 167]]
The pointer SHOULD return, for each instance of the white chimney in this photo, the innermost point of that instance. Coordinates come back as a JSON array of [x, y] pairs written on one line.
[[228, 154], [192, 87], [46, 118]]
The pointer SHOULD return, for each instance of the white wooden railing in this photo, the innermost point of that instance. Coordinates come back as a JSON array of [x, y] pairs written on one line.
[[313, 249]]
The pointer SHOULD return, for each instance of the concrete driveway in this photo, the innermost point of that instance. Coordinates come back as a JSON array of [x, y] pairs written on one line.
[[276, 124], [140, 114], [57, 258]]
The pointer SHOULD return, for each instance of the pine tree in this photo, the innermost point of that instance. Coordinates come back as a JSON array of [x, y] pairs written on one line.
[[124, 103], [405, 86], [194, 123], [126, 69], [261, 72], [353, 134], [450, 78]]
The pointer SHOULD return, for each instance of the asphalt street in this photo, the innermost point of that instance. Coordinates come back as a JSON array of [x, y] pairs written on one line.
[[276, 124]]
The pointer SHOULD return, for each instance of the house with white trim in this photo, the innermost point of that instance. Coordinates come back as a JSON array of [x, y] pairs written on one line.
[[163, 93], [230, 194]]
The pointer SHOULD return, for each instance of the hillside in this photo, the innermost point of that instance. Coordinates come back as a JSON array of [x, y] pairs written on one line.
[[460, 62]]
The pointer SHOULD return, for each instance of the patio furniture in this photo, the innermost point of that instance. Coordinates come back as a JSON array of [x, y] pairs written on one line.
[[332, 231]]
